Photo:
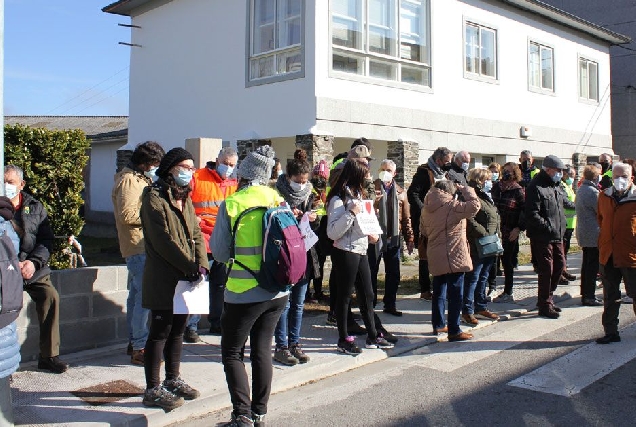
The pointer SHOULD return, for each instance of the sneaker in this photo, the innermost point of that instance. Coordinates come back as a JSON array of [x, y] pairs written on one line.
[[488, 314], [191, 336], [469, 319], [348, 346], [179, 388], [284, 356], [331, 319], [356, 329], [299, 354], [462, 336], [591, 302], [387, 335], [137, 357], [609, 338], [129, 349], [627, 300], [240, 421], [549, 312], [504, 298], [53, 364], [378, 342], [259, 420], [162, 398], [426, 296]]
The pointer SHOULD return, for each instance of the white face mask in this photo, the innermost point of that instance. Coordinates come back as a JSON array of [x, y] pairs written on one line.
[[620, 184], [152, 173], [10, 190], [280, 172], [296, 186], [386, 176], [465, 166], [487, 186]]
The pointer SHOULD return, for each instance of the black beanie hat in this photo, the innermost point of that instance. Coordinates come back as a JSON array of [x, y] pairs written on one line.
[[172, 158]]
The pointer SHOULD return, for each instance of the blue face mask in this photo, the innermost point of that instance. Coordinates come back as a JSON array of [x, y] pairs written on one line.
[[224, 170], [487, 186], [152, 173], [465, 166], [557, 176], [495, 176], [183, 178], [569, 181]]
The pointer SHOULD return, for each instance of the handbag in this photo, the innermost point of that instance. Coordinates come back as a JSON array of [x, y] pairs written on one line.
[[489, 246]]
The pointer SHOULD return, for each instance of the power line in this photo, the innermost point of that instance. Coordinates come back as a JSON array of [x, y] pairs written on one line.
[[87, 90], [95, 95], [102, 100]]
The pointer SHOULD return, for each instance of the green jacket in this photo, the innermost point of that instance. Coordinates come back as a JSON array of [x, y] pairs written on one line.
[[174, 245]]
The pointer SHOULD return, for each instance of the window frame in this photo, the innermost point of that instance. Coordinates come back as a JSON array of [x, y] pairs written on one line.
[[588, 60], [249, 38], [479, 76], [367, 57], [541, 89]]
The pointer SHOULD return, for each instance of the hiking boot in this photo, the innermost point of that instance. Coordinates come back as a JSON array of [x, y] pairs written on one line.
[[241, 421], [356, 329], [298, 353], [162, 398], [504, 298], [609, 338], [53, 364], [426, 296], [568, 276], [178, 387], [129, 349], [348, 346], [331, 319], [549, 312], [462, 336], [488, 314], [284, 356], [138, 357], [469, 319], [387, 335], [378, 342], [392, 310], [191, 336]]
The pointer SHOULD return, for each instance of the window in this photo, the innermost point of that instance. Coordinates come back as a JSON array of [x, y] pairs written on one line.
[[588, 79], [481, 51], [382, 39], [540, 67], [275, 38]]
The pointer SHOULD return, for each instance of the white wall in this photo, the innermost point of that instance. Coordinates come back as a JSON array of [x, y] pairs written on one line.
[[102, 171], [188, 78]]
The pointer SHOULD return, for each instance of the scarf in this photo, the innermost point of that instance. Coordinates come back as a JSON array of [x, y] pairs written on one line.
[[508, 185], [437, 172], [390, 225], [293, 198]]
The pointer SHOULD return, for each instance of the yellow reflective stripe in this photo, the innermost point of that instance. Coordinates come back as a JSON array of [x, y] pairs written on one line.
[[208, 204], [249, 250]]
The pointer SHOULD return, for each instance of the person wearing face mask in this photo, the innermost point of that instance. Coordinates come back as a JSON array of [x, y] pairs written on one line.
[[174, 251], [569, 196], [210, 186], [395, 220], [36, 243], [295, 188], [435, 169], [528, 169], [277, 171], [617, 246], [605, 160], [495, 270], [459, 168], [126, 195], [545, 225]]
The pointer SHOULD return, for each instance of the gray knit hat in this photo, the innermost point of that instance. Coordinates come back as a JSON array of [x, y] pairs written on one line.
[[257, 165]]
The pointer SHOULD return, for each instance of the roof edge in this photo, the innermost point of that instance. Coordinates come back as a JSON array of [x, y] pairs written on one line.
[[133, 7]]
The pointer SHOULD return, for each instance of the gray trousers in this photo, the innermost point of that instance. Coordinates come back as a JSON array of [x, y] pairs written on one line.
[[612, 277]]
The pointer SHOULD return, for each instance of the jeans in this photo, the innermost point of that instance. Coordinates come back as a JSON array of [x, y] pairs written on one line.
[[165, 338], [454, 283], [136, 315], [287, 333], [217, 278], [255, 321], [589, 271], [550, 265], [612, 277], [392, 279], [475, 285]]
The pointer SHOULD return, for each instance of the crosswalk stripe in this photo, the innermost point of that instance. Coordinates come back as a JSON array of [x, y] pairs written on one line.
[[573, 372], [448, 357]]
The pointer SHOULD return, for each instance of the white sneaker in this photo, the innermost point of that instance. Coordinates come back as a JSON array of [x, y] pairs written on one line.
[[505, 298], [627, 300]]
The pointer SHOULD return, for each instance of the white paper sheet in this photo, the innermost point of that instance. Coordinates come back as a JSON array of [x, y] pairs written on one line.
[[309, 237], [367, 220], [191, 297]]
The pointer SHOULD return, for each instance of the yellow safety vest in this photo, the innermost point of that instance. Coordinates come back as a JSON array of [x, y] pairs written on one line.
[[248, 245], [570, 214]]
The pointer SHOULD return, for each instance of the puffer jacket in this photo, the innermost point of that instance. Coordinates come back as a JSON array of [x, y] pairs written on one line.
[[174, 245], [484, 223], [443, 223], [126, 196], [587, 228], [9, 350], [343, 228], [36, 236], [617, 219], [545, 217]]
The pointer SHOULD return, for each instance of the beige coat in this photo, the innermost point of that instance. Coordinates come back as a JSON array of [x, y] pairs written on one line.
[[443, 223], [129, 185]]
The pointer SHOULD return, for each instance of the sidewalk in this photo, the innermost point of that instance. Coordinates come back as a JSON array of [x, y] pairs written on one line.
[[41, 398]]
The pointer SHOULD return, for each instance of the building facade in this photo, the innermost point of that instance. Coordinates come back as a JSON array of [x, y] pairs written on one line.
[[490, 77]]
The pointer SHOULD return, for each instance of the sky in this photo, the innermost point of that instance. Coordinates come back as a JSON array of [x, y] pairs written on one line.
[[62, 57]]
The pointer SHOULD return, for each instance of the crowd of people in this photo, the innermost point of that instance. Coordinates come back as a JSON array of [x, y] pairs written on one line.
[[176, 222]]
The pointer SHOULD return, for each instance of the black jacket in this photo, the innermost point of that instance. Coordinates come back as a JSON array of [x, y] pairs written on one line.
[[545, 217], [457, 174], [415, 194], [36, 236]]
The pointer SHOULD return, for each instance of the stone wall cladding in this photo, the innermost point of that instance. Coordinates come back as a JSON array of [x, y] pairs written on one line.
[[123, 157], [406, 156], [317, 147], [243, 147]]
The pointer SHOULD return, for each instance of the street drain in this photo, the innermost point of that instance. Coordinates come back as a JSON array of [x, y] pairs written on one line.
[[110, 392]]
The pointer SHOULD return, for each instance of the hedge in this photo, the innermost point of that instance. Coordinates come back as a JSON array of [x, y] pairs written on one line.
[[53, 162]]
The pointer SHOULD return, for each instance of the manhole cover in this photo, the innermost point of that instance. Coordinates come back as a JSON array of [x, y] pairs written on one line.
[[108, 392]]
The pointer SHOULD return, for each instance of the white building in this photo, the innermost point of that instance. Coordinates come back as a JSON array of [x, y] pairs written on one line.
[[492, 77]]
